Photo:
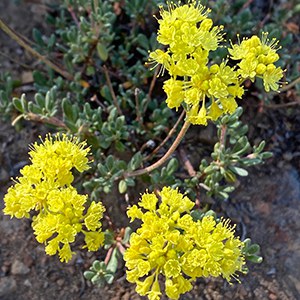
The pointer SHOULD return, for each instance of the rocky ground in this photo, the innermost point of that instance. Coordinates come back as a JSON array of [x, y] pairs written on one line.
[[265, 206]]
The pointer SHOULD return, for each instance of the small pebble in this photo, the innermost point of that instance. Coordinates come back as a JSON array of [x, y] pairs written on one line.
[[272, 271], [27, 283], [60, 282], [4, 176], [7, 286], [19, 268], [273, 296], [288, 156]]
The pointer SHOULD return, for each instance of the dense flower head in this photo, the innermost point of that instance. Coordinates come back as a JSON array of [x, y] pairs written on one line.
[[45, 187], [257, 57], [207, 90], [63, 154], [170, 243]]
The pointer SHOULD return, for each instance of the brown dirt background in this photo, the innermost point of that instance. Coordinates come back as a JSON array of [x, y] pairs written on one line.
[[265, 207]]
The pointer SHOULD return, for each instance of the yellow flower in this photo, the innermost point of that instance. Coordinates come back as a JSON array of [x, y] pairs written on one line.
[[134, 212], [93, 240], [248, 67], [93, 215], [190, 35], [171, 244], [142, 287], [172, 268], [217, 88], [174, 91], [63, 154], [210, 39], [229, 104], [177, 286], [148, 201], [270, 78], [160, 57], [52, 247], [196, 116], [45, 187], [215, 112], [154, 293], [257, 60], [193, 12], [65, 253]]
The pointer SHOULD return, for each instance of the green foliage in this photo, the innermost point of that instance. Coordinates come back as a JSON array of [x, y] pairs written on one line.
[[43, 105], [87, 33], [166, 176], [251, 252], [231, 156], [100, 273], [6, 88], [199, 215], [107, 172]]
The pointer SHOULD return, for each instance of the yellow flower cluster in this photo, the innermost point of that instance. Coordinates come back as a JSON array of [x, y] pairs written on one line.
[[169, 242], [257, 58], [45, 186], [206, 91]]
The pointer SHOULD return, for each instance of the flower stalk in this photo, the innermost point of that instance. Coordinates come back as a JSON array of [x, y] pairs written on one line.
[[162, 160]]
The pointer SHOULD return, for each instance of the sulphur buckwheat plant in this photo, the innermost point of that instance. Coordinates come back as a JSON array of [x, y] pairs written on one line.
[[45, 187], [98, 92], [170, 243]]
